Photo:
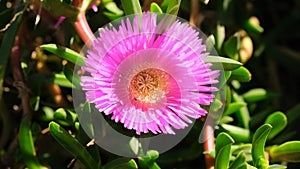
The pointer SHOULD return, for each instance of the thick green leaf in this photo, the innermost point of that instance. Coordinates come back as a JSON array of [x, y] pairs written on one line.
[[121, 163], [61, 80], [5, 48], [234, 107], [255, 95], [239, 162], [65, 53], [219, 36], [242, 114], [252, 26], [279, 121], [258, 146], [241, 74], [288, 152], [72, 145], [232, 46], [113, 11], [65, 115], [210, 43], [223, 146], [277, 166], [69, 73], [131, 7], [245, 148], [135, 146], [173, 7], [226, 63], [27, 145], [237, 133], [61, 8], [154, 7], [148, 161]]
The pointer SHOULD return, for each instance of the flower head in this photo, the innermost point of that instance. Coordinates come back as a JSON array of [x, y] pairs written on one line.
[[149, 74]]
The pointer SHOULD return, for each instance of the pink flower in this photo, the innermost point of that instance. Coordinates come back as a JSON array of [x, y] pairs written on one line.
[[149, 74]]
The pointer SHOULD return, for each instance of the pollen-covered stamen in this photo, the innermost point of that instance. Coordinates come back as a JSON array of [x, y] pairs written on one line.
[[148, 87]]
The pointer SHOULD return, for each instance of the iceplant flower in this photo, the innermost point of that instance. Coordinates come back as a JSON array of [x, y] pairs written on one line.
[[149, 74]]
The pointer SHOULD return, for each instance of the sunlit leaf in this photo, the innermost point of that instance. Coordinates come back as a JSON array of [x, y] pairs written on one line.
[[27, 146], [242, 115], [258, 146], [288, 152], [252, 25], [227, 64], [234, 107], [121, 163], [65, 53], [279, 121], [223, 146], [232, 46], [154, 7], [210, 43], [241, 74], [219, 36], [173, 7], [65, 115], [255, 95], [131, 7], [239, 162], [72, 145], [237, 133]]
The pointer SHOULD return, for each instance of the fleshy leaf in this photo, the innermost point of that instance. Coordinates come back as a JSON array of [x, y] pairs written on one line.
[[121, 163], [72, 145], [210, 43], [252, 25], [241, 74], [228, 64], [219, 36], [148, 161], [131, 7], [66, 116], [223, 146], [279, 121], [239, 162], [277, 166], [69, 73], [255, 95], [154, 7], [65, 53], [288, 152], [61, 80], [242, 115], [237, 133], [173, 7], [113, 11], [258, 146], [234, 107], [232, 46], [27, 145]]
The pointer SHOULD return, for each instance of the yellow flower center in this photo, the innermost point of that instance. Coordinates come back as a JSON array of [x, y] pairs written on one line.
[[149, 86]]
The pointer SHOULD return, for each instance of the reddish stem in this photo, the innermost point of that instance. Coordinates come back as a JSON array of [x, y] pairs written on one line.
[[209, 143], [19, 80], [83, 29]]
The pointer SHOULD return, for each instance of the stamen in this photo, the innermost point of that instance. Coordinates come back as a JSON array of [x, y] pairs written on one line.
[[149, 86]]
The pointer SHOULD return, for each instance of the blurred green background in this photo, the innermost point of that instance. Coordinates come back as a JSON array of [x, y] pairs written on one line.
[[36, 85]]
